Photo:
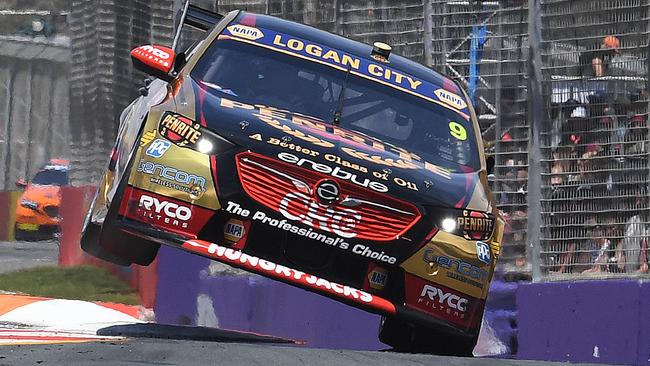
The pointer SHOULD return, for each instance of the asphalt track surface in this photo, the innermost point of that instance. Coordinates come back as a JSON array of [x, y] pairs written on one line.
[[17, 255], [174, 352]]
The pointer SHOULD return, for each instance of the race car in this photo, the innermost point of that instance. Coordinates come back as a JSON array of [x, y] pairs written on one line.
[[37, 209], [312, 159]]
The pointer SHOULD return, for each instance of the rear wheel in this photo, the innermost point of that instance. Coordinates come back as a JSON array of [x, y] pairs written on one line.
[[406, 337]]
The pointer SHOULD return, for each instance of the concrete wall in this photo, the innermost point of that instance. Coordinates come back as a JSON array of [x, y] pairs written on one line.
[[34, 105], [196, 291], [590, 321]]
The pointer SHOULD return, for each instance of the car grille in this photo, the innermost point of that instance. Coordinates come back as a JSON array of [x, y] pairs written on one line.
[[359, 212], [51, 211]]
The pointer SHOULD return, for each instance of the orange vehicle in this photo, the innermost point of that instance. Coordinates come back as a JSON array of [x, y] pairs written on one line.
[[37, 210]]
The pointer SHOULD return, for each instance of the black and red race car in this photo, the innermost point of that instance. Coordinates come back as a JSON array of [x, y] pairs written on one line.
[[311, 159]]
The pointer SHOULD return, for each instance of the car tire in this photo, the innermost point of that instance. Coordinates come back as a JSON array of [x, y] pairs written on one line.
[[406, 337], [19, 235], [123, 245], [395, 333], [108, 242], [90, 244]]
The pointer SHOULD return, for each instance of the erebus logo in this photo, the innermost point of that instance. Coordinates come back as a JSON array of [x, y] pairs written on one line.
[[169, 209], [335, 172], [327, 191], [452, 301]]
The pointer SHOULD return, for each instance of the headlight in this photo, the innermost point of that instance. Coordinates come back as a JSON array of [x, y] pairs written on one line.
[[29, 204], [472, 225], [449, 225]]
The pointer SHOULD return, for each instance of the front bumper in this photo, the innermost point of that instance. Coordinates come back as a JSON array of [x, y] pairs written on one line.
[[35, 232], [346, 294]]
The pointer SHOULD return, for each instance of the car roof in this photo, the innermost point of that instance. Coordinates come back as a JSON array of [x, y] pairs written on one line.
[[346, 45]]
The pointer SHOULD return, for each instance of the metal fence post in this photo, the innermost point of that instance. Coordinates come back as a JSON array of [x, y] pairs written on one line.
[[428, 33], [535, 119], [10, 72]]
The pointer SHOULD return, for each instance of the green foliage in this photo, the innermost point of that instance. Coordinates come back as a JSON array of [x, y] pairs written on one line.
[[74, 283]]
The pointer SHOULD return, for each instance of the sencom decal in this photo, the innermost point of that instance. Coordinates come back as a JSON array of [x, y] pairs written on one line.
[[175, 178]]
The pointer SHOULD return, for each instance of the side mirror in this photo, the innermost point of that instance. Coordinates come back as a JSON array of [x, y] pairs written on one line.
[[489, 164], [21, 183], [154, 60]]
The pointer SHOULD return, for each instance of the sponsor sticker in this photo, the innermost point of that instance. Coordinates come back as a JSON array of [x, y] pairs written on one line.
[[452, 99], [180, 130], [147, 137], [456, 269], [171, 177], [377, 278], [336, 171], [280, 272], [286, 225], [278, 119], [475, 225], [483, 252], [158, 148], [164, 211], [245, 31], [363, 67], [440, 301], [234, 230]]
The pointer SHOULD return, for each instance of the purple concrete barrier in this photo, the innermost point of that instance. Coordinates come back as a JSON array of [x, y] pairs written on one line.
[[591, 321], [253, 303], [178, 286]]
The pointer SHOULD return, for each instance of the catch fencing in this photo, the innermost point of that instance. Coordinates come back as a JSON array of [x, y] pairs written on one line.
[[572, 167], [594, 144]]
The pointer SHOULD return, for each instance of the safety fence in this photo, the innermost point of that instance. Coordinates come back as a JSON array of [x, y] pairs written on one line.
[[594, 153], [484, 45]]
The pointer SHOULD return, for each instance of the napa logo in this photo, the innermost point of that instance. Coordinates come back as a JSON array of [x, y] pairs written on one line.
[[245, 31], [234, 230], [451, 99]]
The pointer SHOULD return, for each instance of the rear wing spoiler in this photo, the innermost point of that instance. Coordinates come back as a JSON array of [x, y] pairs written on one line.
[[197, 18], [200, 18]]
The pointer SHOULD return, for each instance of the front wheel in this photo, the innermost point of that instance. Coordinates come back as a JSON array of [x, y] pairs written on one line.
[[100, 237], [406, 337]]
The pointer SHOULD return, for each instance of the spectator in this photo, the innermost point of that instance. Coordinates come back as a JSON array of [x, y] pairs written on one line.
[[635, 246], [594, 252], [595, 63]]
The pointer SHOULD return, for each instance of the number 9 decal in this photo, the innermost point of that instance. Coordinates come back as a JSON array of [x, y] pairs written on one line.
[[458, 131]]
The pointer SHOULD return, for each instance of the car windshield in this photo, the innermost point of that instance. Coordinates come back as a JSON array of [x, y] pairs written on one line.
[[256, 75], [51, 178]]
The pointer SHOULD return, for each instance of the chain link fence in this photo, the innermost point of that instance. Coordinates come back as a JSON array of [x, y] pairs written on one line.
[[484, 45], [595, 145]]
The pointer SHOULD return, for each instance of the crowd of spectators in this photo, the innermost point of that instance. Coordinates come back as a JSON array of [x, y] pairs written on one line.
[[595, 189]]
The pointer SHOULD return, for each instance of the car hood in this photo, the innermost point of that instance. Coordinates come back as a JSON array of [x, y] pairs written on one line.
[[372, 161], [43, 195]]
